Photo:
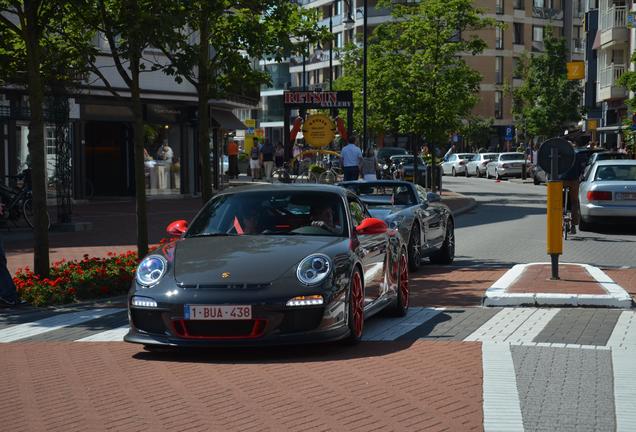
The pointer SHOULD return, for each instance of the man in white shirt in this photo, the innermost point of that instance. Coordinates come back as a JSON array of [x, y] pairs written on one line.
[[351, 157]]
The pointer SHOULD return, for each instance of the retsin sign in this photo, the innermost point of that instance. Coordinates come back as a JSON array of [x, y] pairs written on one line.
[[318, 99]]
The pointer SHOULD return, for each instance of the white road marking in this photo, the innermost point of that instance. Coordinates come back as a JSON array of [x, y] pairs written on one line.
[[516, 325], [26, 330], [624, 334], [624, 365], [112, 335], [502, 409], [392, 328]]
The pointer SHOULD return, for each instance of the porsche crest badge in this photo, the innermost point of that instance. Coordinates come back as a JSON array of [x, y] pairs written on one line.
[[225, 275]]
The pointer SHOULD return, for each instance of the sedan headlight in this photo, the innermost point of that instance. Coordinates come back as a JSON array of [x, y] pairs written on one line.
[[314, 269], [150, 270]]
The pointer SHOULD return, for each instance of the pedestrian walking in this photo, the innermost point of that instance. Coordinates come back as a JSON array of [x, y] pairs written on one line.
[[369, 166], [232, 154], [351, 156], [267, 159], [255, 162], [8, 294]]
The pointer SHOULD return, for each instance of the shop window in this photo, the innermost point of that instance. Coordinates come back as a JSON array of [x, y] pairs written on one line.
[[162, 159]]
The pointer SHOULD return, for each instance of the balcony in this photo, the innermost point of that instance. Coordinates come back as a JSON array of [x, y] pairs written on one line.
[[547, 13], [578, 45], [608, 87], [613, 25]]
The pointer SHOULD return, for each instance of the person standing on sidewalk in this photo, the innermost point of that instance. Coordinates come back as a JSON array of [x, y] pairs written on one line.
[[351, 157], [8, 294], [232, 154], [267, 157]]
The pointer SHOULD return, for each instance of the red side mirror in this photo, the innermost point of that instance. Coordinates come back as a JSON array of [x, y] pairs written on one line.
[[177, 228], [372, 226]]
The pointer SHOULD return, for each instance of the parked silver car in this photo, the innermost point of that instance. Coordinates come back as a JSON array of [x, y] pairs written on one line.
[[456, 163], [477, 165], [506, 165], [608, 191]]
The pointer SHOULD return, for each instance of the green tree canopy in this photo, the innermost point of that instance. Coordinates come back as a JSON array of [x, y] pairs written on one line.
[[547, 101]]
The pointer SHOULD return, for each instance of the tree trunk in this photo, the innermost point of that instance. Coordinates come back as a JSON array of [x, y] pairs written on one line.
[[36, 144], [204, 115], [140, 180]]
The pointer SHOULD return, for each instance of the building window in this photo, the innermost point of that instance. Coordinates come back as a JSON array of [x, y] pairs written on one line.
[[538, 3], [516, 64], [518, 29], [537, 33], [499, 37], [499, 70], [577, 38], [520, 4], [498, 104], [339, 40], [499, 7]]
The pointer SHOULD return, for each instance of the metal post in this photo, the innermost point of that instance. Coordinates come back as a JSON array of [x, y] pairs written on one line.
[[331, 48], [554, 172], [304, 81], [364, 77]]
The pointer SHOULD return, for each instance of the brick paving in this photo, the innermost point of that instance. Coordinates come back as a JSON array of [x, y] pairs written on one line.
[[387, 386], [626, 278], [433, 285], [574, 280]]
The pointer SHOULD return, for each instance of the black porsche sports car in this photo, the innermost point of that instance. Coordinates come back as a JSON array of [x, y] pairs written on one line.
[[425, 223], [269, 264]]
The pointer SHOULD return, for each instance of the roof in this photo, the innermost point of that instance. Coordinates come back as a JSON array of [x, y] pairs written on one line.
[[616, 162]]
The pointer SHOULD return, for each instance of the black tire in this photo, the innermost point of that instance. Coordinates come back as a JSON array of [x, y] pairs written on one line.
[[415, 251], [453, 172], [535, 180], [27, 212], [487, 175], [497, 176], [446, 254], [585, 225], [401, 305], [466, 173], [356, 327], [478, 172]]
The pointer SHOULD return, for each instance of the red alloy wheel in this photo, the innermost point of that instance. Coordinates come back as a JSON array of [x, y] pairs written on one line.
[[357, 304], [404, 280]]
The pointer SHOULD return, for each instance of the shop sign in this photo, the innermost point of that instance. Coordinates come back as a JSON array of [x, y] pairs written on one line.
[[319, 130], [592, 124], [319, 99], [576, 70]]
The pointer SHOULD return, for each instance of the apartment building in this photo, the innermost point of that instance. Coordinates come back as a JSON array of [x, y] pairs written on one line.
[[525, 23], [611, 49]]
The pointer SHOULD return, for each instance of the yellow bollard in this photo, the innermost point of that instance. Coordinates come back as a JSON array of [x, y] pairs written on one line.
[[555, 217]]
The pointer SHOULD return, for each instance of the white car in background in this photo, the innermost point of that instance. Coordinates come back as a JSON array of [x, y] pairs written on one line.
[[477, 165], [608, 193], [456, 163], [506, 165]]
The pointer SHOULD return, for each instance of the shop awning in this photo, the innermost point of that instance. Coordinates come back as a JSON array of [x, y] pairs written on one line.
[[226, 120]]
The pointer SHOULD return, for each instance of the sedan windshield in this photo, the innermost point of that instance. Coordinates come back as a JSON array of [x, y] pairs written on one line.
[[512, 156], [376, 194], [616, 173], [272, 213]]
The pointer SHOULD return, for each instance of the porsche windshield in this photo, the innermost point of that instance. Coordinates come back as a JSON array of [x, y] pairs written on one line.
[[377, 194], [272, 213]]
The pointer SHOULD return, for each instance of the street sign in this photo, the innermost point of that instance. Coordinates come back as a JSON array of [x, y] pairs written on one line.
[[509, 133], [564, 156]]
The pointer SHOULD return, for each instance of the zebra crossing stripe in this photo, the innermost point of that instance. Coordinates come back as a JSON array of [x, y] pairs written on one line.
[[112, 335], [26, 330], [388, 329], [515, 325]]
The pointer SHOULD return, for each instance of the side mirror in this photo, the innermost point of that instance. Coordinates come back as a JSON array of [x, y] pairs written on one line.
[[177, 228], [372, 226], [432, 197]]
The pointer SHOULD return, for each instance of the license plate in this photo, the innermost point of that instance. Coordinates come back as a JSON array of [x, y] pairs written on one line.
[[217, 312], [516, 165], [626, 196]]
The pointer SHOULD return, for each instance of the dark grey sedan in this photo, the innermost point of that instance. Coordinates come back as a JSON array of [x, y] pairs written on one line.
[[270, 264], [424, 222]]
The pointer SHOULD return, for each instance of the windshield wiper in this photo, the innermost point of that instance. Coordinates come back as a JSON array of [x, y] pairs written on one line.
[[216, 234]]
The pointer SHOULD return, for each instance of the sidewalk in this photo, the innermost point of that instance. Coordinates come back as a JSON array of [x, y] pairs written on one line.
[[114, 227], [579, 285]]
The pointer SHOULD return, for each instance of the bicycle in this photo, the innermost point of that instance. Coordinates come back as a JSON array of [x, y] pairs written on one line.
[[282, 174], [18, 202], [330, 176], [567, 214]]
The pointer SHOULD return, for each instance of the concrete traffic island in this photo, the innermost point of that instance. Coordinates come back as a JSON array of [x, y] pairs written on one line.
[[580, 285]]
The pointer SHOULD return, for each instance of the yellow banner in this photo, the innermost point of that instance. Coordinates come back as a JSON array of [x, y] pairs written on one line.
[[319, 130]]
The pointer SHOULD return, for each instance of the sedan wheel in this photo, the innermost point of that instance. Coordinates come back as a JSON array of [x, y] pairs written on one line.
[[415, 248], [403, 294], [454, 172], [356, 308], [446, 254]]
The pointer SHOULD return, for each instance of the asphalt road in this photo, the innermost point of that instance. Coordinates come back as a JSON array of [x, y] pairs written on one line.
[[509, 227]]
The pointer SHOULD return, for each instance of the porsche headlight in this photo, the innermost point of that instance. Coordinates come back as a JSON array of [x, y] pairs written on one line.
[[395, 222], [314, 269], [150, 270]]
